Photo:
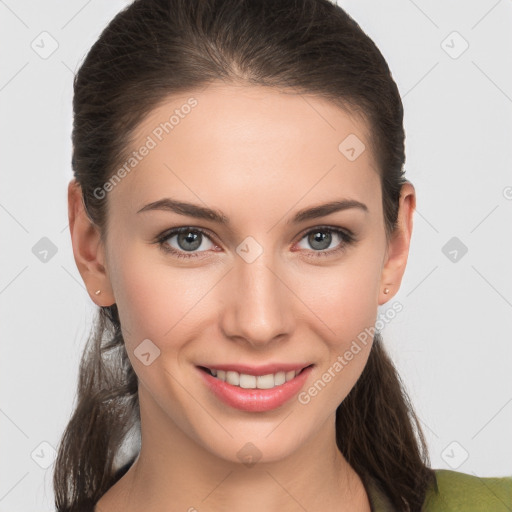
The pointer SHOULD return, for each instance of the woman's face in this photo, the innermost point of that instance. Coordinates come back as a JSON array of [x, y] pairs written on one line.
[[266, 285]]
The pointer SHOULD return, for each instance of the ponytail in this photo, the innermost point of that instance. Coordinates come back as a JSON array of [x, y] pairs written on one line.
[[107, 409]]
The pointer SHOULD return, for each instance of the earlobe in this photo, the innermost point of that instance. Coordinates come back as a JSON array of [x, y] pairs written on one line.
[[88, 249], [398, 246]]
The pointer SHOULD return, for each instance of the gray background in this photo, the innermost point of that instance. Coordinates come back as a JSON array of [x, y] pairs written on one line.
[[452, 341]]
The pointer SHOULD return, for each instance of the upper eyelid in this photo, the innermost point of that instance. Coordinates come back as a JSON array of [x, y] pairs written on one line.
[[326, 227]]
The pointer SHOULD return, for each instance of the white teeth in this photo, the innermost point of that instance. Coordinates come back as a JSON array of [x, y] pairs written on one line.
[[280, 378], [265, 381], [290, 375], [233, 378], [246, 381]]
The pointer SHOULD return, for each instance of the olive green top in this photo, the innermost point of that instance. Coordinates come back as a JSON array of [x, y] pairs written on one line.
[[456, 492]]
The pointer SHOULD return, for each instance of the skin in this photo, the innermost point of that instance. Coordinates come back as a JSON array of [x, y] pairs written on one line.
[[259, 155]]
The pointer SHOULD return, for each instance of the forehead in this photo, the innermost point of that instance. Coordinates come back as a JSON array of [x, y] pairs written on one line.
[[251, 142]]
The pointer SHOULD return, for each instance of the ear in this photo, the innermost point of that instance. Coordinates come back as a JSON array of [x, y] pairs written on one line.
[[88, 249], [398, 247]]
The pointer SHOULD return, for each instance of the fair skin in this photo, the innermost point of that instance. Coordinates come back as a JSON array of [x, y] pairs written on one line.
[[258, 156]]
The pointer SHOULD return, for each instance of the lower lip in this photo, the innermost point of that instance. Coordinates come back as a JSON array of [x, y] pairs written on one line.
[[255, 400]]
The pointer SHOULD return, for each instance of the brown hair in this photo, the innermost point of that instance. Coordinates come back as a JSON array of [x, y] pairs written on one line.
[[156, 48]]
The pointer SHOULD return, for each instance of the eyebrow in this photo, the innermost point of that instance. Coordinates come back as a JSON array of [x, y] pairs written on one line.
[[202, 212]]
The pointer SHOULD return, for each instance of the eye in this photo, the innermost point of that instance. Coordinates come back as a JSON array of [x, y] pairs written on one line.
[[188, 240], [321, 237]]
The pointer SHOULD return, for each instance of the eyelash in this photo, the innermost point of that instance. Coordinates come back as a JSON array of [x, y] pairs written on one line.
[[348, 238]]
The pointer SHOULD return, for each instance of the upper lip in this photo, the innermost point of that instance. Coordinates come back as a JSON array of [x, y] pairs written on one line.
[[258, 370]]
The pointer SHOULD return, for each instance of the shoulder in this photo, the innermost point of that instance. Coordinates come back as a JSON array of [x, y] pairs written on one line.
[[469, 493]]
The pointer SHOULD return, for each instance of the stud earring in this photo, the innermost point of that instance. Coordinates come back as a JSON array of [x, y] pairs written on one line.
[[386, 290], [97, 292]]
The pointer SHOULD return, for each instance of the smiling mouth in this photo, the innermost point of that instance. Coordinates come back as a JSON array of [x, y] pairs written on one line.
[[247, 381]]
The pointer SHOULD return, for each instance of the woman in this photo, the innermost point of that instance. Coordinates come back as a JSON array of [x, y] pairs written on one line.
[[239, 212]]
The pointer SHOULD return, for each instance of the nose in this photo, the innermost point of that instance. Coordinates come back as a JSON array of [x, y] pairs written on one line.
[[259, 305]]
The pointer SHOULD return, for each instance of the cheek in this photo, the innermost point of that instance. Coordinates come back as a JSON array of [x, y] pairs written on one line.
[[163, 305], [344, 298], [346, 313], [158, 302]]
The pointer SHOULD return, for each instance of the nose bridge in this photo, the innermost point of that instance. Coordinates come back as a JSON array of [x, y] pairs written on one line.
[[259, 308]]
